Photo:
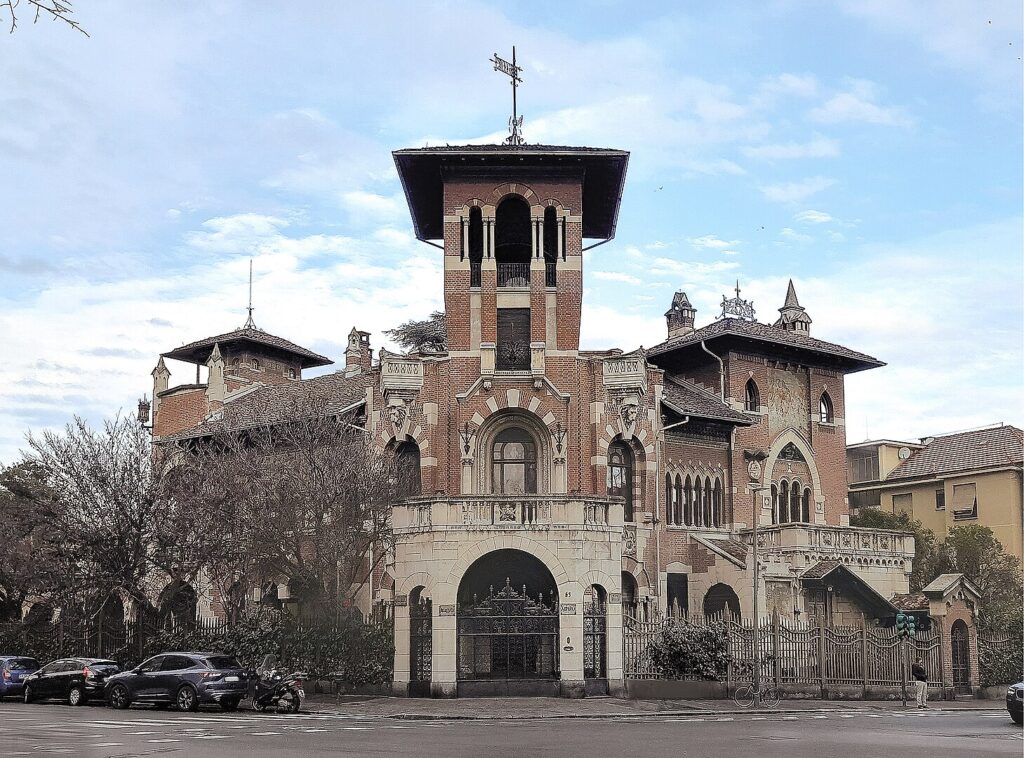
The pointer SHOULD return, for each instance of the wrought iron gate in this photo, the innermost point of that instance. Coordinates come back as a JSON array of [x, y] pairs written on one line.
[[595, 645], [961, 658], [420, 630], [508, 635]]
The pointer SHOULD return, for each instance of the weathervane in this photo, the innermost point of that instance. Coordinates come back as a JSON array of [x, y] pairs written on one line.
[[737, 306], [249, 323], [515, 124]]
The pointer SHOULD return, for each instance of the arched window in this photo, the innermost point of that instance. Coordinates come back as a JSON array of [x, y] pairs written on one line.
[[514, 458], [775, 504], [698, 502], [827, 412], [630, 595], [688, 502], [512, 232], [719, 505], [795, 490], [751, 397], [476, 245], [805, 506], [709, 508], [678, 498], [669, 500], [784, 502], [620, 476], [407, 469], [550, 245]]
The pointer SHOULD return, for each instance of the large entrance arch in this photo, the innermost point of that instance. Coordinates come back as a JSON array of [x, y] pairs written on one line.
[[507, 625]]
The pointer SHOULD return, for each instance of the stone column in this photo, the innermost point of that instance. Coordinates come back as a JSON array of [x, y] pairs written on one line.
[[465, 237], [444, 663], [570, 634], [400, 681]]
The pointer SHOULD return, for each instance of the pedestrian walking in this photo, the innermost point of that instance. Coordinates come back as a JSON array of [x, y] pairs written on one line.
[[920, 683]]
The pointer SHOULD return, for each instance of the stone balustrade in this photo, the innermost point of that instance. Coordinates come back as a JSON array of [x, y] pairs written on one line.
[[507, 512], [833, 539]]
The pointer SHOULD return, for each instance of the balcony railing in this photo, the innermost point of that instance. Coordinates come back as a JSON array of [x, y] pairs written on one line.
[[513, 274], [508, 512], [550, 275]]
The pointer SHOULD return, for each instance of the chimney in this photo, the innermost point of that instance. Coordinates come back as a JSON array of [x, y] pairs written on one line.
[[680, 316], [358, 356]]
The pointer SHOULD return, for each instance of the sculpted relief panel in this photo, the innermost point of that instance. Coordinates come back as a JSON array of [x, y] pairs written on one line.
[[787, 403]]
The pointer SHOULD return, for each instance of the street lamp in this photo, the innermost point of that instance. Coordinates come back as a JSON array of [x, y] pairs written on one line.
[[757, 621]]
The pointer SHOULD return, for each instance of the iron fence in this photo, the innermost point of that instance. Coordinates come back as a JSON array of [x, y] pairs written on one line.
[[804, 656]]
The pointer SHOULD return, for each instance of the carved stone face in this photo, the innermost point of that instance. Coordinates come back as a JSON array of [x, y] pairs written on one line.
[[397, 414], [629, 413]]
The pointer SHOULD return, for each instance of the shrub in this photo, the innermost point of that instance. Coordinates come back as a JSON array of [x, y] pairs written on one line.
[[686, 651]]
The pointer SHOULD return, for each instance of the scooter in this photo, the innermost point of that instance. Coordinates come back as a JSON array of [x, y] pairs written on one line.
[[278, 692]]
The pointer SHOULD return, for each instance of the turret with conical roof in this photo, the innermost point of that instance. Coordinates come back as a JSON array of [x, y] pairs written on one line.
[[793, 317]]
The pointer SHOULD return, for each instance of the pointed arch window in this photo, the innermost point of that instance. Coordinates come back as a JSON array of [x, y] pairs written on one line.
[[709, 509], [827, 411], [751, 397], [678, 498], [719, 505], [805, 506], [550, 245], [775, 504], [620, 476], [407, 469], [784, 502], [794, 501], [698, 502], [688, 502], [669, 492]]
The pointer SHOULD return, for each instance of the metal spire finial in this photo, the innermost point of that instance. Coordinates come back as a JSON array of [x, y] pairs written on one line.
[[249, 323], [515, 124]]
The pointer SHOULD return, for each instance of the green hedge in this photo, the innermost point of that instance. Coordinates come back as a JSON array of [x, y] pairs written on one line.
[[687, 651]]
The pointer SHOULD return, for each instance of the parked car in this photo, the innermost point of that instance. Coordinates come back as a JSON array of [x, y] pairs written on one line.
[[14, 668], [74, 680], [182, 679], [1015, 702]]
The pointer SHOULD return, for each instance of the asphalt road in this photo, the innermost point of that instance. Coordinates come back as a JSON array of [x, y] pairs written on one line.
[[94, 731]]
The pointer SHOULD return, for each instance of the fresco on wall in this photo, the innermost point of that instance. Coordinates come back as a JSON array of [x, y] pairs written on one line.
[[787, 403]]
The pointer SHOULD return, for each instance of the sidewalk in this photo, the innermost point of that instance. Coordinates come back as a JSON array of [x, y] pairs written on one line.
[[515, 708]]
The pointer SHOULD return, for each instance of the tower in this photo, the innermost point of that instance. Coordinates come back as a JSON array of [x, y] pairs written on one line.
[[792, 316], [513, 219]]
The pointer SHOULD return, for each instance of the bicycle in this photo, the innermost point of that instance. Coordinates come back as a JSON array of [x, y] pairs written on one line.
[[744, 696]]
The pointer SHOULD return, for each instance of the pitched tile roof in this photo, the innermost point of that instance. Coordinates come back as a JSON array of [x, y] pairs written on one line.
[[820, 569], [276, 403], [199, 351], [687, 399], [755, 330], [966, 451], [914, 601]]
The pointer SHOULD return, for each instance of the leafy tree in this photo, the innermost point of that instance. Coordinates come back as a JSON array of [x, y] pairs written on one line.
[[24, 510], [430, 335], [975, 552], [928, 560]]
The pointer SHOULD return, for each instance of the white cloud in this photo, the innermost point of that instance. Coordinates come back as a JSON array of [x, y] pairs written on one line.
[[813, 217], [858, 105], [795, 192], [794, 236], [713, 242], [615, 276], [373, 205], [820, 147]]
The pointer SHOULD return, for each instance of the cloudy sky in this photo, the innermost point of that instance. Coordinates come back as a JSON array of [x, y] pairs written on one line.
[[871, 150]]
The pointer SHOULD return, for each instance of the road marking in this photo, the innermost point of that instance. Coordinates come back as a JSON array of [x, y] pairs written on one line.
[[264, 734], [156, 741], [107, 744], [212, 737]]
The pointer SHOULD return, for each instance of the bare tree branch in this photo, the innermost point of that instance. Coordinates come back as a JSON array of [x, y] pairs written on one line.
[[58, 10]]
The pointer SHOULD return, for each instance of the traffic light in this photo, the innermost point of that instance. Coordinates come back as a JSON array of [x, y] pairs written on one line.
[[901, 624], [911, 628]]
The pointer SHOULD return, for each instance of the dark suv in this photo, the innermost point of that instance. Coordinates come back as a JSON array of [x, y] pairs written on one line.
[[73, 680], [182, 679]]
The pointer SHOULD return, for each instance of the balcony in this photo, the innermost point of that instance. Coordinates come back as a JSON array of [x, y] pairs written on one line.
[[837, 541], [508, 513]]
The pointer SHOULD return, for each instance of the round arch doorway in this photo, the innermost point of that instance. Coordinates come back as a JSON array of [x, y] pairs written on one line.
[[507, 626]]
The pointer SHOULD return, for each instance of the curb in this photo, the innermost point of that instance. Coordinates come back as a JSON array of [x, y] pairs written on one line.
[[704, 715]]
